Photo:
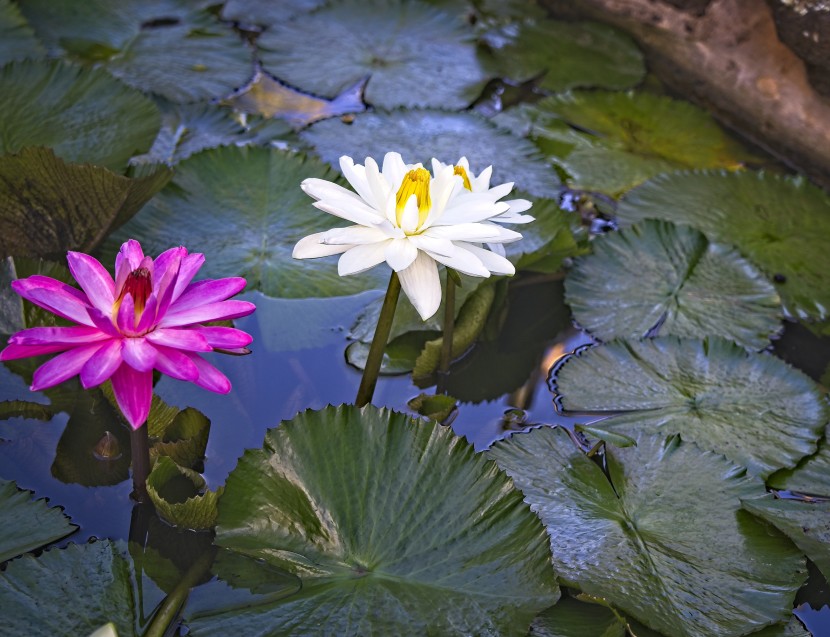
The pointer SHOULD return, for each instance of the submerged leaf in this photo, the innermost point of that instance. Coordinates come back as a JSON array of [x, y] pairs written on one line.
[[416, 55], [656, 278], [28, 524], [49, 206], [781, 224], [245, 208], [394, 524], [566, 55], [419, 135], [753, 408], [198, 511], [645, 540], [83, 114], [17, 40]]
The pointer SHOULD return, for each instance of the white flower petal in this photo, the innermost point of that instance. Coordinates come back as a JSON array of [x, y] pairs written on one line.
[[494, 262], [432, 244], [310, 248], [475, 232], [497, 248], [462, 260], [394, 170], [422, 286], [497, 192], [470, 208], [400, 253], [518, 205], [482, 182], [356, 176], [378, 185], [350, 211], [361, 258], [353, 235], [410, 217]]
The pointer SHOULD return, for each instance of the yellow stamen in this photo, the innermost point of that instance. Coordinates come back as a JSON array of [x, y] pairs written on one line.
[[459, 170], [416, 182]]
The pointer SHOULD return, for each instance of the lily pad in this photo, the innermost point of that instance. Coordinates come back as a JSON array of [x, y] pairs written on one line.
[[566, 55], [28, 524], [420, 135], [807, 524], [645, 539], [753, 408], [83, 114], [779, 223], [656, 278], [244, 208], [266, 12], [811, 476], [167, 47], [35, 593], [416, 56], [612, 141], [17, 40], [572, 618], [197, 510], [394, 524], [50, 206]]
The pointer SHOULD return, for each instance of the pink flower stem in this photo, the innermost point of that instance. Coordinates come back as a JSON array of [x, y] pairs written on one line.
[[140, 447], [375, 357]]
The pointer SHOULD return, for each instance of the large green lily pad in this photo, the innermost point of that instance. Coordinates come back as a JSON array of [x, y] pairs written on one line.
[[266, 12], [416, 55], [28, 524], [71, 591], [566, 55], [612, 141], [49, 206], [811, 476], [420, 135], [395, 526], [661, 537], [17, 40], [168, 47], [753, 408], [807, 524], [243, 207], [781, 224], [656, 278], [83, 114]]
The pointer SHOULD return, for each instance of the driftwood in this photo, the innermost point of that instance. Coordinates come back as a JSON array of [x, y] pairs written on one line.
[[726, 56]]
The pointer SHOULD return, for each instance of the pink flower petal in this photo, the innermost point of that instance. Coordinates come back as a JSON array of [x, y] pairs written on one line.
[[93, 279], [134, 392], [59, 298], [210, 378], [139, 354], [103, 322], [166, 274], [148, 316], [102, 365], [129, 257], [75, 335], [225, 337], [14, 352], [190, 266], [186, 339], [176, 364], [209, 312], [208, 291], [125, 321], [62, 367]]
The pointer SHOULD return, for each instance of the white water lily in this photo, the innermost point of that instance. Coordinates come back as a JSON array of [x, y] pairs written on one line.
[[412, 220]]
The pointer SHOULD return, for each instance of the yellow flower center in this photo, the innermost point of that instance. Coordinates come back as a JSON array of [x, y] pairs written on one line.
[[459, 170], [416, 182]]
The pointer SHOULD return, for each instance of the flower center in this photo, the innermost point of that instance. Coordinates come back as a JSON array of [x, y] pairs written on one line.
[[416, 182], [139, 286], [459, 170]]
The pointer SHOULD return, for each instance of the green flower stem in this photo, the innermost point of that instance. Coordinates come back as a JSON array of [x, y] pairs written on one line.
[[449, 324], [140, 448], [373, 361], [171, 605]]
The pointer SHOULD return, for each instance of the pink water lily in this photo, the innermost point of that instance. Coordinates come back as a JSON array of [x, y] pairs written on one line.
[[150, 317]]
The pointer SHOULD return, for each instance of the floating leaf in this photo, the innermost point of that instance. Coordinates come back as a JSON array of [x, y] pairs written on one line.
[[644, 539], [49, 206], [245, 208], [807, 524], [572, 618], [420, 135], [611, 437], [269, 97], [394, 524], [656, 278], [17, 40], [165, 46], [753, 408], [266, 12], [779, 223], [811, 475], [73, 590], [566, 55], [196, 511], [611, 141], [189, 128], [83, 114], [438, 407], [417, 55], [28, 524]]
